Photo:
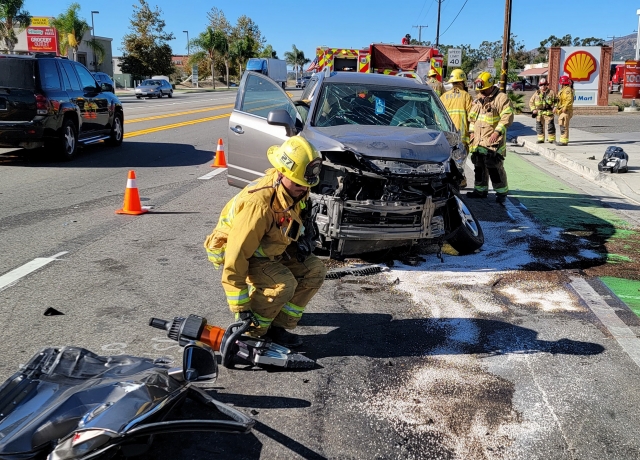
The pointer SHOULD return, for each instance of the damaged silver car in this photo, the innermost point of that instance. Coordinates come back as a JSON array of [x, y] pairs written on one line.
[[392, 158]]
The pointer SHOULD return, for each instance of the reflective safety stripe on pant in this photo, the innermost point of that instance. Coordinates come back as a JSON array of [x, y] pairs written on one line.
[[281, 290], [541, 122], [563, 122], [489, 165]]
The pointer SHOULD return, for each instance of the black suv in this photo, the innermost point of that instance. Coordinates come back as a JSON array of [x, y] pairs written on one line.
[[54, 102]]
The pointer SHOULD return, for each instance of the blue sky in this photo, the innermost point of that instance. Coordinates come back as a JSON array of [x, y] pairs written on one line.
[[357, 23]]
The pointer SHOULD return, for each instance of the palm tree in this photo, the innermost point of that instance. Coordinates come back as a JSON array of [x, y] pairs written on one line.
[[296, 59], [204, 43], [12, 17], [71, 30], [241, 50]]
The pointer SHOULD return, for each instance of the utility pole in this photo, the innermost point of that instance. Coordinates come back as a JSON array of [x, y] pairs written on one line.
[[419, 33], [438, 28], [506, 45], [93, 37], [613, 47]]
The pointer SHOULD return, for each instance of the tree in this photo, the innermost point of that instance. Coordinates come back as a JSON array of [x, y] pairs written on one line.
[[71, 29], [295, 58], [12, 17], [268, 52], [145, 49], [208, 45], [567, 40], [241, 50]]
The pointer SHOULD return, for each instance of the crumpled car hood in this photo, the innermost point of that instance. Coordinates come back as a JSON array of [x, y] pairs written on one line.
[[387, 142]]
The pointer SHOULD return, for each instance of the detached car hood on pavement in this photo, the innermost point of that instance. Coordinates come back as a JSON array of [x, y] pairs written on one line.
[[416, 144]]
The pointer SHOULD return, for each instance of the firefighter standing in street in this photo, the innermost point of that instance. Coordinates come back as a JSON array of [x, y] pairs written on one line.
[[262, 240], [490, 116], [436, 84], [458, 103], [541, 104], [564, 109]]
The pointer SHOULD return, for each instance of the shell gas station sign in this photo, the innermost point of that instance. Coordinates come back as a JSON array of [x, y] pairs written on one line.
[[41, 37], [582, 65]]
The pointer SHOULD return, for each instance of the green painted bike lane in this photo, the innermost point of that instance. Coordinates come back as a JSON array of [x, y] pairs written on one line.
[[557, 204]]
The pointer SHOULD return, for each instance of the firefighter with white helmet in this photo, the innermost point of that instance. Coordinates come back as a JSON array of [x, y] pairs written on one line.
[[458, 103], [564, 108], [541, 104], [262, 242], [433, 81], [490, 116]]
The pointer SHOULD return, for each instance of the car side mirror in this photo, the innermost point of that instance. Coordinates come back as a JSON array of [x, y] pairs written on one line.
[[199, 362], [106, 87], [281, 117]]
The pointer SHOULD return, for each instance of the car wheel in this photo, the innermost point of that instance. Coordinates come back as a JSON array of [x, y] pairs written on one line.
[[170, 94], [137, 97], [67, 144], [117, 131], [160, 95], [467, 233]]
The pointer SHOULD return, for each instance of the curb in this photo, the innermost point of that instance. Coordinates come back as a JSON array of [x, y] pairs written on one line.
[[599, 178]]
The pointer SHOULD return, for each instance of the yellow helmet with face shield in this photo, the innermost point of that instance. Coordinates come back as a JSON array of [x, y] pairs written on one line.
[[297, 160], [483, 81]]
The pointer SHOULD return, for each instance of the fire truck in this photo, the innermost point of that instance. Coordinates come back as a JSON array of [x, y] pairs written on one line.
[[616, 78], [379, 58]]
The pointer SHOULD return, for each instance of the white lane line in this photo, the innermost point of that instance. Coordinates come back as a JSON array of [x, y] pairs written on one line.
[[618, 329], [11, 278], [215, 172]]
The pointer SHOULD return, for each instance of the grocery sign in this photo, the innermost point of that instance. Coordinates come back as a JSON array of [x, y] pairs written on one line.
[[42, 39]]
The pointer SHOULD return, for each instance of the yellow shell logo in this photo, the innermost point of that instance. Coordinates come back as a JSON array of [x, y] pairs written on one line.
[[580, 66]]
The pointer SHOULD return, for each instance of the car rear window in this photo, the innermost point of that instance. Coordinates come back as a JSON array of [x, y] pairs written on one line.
[[16, 73], [49, 78]]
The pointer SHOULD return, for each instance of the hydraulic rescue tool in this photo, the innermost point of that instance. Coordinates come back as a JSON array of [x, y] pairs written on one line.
[[234, 346]]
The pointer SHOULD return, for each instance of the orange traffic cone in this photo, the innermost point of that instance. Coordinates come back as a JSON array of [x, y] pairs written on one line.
[[131, 198], [219, 161]]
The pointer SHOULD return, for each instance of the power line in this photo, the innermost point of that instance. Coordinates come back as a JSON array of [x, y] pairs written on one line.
[[419, 32], [421, 9], [454, 19]]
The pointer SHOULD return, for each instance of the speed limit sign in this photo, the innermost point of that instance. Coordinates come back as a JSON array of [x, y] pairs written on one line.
[[454, 57]]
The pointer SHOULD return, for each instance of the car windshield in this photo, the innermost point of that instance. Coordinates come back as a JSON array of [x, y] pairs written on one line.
[[358, 104], [150, 83]]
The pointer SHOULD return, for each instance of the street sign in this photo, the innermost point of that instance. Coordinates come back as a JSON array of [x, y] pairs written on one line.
[[194, 75], [492, 71], [490, 62], [454, 57]]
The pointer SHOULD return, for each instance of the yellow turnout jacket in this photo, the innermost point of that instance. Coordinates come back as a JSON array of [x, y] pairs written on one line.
[[488, 114], [565, 101], [252, 225], [458, 103]]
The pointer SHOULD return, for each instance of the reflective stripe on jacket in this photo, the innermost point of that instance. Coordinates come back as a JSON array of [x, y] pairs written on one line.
[[543, 102], [458, 103], [251, 225], [488, 114], [565, 101]]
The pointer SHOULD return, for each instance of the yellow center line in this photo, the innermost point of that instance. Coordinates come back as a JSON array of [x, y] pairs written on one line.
[[176, 114], [174, 125]]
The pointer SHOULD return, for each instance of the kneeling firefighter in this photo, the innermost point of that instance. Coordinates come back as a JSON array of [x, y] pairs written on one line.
[[264, 240]]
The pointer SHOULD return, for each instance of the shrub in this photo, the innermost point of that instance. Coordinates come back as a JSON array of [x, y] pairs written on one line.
[[620, 104], [516, 101]]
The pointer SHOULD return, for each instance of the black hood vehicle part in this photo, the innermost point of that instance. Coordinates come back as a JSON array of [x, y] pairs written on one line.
[[69, 403]]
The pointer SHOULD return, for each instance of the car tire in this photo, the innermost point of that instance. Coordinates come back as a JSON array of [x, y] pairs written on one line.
[[160, 95], [467, 232], [137, 97], [66, 145], [170, 94], [117, 131]]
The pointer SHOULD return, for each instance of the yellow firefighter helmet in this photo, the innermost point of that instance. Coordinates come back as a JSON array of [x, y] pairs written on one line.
[[432, 72], [457, 75], [297, 160], [483, 81]]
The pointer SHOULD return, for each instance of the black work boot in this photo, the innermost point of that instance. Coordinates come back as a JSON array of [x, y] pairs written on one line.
[[476, 194], [283, 337], [501, 198]]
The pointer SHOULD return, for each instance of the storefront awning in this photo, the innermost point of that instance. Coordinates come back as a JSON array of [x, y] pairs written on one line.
[[534, 72]]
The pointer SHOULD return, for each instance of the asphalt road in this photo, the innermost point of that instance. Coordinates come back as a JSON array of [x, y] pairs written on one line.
[[475, 357]]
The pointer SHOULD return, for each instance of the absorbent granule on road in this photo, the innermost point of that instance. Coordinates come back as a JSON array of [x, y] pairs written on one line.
[[455, 399]]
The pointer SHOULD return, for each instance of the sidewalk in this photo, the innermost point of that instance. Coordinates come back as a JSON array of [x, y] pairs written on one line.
[[582, 155]]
